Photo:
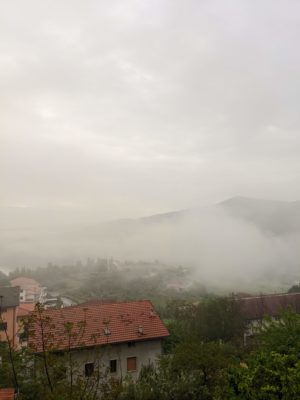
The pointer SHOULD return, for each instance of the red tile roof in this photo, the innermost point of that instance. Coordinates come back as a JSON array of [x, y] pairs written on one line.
[[259, 306], [7, 394], [24, 309], [26, 283], [98, 323]]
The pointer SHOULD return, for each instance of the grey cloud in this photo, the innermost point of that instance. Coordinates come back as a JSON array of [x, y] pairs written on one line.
[[161, 103]]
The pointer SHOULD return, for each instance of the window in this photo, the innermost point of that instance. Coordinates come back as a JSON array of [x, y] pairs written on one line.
[[89, 369], [131, 364], [3, 326], [131, 344], [113, 366], [107, 331]]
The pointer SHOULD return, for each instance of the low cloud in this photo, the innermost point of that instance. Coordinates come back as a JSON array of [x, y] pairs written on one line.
[[222, 250]]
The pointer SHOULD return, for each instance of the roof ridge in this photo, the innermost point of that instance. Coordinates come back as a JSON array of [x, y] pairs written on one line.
[[97, 302], [269, 295], [123, 318]]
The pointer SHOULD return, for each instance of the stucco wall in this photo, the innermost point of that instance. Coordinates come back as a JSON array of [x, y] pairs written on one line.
[[10, 317], [145, 353]]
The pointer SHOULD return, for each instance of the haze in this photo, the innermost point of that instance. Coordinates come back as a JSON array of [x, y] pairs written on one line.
[[123, 109]]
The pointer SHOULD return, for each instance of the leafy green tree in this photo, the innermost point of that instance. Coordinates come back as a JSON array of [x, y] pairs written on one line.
[[281, 335], [207, 361], [212, 319], [273, 370], [46, 373], [59, 373], [177, 336], [267, 376], [194, 371], [294, 289]]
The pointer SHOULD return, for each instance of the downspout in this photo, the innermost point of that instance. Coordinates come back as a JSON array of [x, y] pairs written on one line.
[[14, 326]]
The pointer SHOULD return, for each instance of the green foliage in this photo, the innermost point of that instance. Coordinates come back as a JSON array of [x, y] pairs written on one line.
[[29, 385], [103, 279], [177, 336], [203, 360], [195, 371], [219, 318], [273, 370], [163, 384], [213, 319], [48, 374], [210, 370], [294, 289], [267, 376], [6, 377], [281, 335]]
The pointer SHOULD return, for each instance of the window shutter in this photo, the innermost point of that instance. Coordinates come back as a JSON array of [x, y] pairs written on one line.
[[131, 364]]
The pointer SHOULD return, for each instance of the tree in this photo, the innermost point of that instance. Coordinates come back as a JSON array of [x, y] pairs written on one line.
[[194, 371], [294, 289], [266, 376], [220, 318], [44, 371], [281, 335], [273, 370], [59, 373], [9, 346]]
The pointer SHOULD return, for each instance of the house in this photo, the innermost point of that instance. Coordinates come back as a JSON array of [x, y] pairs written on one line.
[[31, 291], [117, 337], [255, 308], [9, 302]]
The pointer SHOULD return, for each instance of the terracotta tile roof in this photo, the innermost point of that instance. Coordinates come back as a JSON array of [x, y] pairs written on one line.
[[98, 323], [7, 394], [256, 307], [24, 309], [24, 282]]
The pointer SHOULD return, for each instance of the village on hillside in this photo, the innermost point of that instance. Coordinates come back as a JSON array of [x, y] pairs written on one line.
[[101, 342]]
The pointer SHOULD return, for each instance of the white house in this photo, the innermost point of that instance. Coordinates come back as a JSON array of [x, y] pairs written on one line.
[[31, 291]]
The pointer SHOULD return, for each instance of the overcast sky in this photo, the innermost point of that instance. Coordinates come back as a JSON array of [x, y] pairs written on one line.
[[132, 107]]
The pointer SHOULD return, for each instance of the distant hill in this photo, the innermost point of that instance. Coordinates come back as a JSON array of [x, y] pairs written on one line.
[[221, 241], [277, 217], [274, 216]]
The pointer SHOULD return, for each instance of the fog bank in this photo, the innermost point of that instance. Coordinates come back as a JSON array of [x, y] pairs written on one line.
[[224, 244]]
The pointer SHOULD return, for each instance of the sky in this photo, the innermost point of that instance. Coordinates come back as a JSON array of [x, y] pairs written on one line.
[[125, 108]]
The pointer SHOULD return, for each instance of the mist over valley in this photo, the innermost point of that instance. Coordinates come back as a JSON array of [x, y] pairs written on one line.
[[240, 242]]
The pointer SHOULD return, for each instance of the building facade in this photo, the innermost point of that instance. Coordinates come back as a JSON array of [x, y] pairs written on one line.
[[9, 302], [118, 360], [118, 338], [31, 291], [255, 308]]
